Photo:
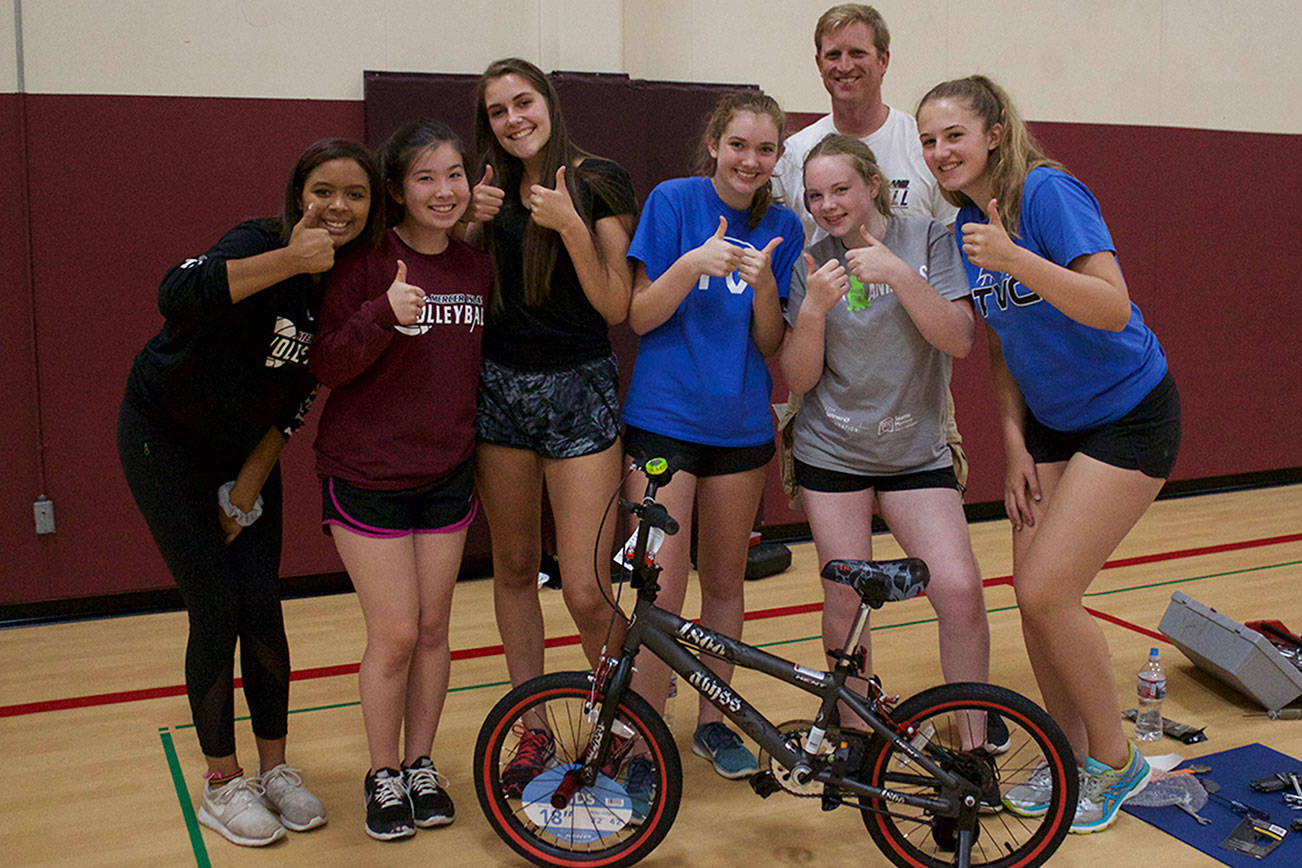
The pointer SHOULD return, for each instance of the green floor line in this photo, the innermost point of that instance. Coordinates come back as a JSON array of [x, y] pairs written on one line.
[[183, 797], [1194, 578]]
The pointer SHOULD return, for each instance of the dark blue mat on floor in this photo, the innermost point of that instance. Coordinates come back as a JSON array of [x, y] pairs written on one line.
[[1233, 770]]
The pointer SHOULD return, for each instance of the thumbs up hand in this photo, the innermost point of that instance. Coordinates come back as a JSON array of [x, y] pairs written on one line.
[[988, 245], [551, 207], [824, 286], [310, 243], [485, 199], [406, 300], [718, 257], [754, 267], [874, 262]]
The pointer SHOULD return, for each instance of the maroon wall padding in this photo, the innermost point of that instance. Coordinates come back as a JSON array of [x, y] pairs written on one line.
[[124, 187], [24, 559]]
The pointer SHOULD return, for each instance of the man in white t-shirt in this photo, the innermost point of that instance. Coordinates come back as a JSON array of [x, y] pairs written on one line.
[[853, 49]]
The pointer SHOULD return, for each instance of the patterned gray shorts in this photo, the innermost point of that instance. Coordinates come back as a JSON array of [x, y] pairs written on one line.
[[558, 414]]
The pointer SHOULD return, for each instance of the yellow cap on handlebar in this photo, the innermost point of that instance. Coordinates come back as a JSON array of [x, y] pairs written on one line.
[[656, 466]]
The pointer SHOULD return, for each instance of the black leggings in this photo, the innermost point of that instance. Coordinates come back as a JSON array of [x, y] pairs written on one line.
[[230, 591]]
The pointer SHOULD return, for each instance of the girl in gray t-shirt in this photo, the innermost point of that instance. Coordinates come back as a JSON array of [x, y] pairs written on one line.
[[875, 315]]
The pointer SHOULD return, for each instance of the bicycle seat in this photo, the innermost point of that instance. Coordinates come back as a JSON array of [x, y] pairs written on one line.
[[879, 582]]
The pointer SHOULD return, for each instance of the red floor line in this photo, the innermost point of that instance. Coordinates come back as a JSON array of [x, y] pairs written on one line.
[[1121, 622], [123, 696]]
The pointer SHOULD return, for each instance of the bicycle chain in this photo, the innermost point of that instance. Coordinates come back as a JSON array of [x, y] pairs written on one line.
[[795, 732]]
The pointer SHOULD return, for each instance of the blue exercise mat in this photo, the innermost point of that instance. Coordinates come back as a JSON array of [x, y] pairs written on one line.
[[1233, 770]]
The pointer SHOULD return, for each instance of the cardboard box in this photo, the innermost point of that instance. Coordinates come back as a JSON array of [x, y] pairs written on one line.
[[1242, 658]]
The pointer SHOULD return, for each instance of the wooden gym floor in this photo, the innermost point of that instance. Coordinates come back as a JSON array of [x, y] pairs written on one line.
[[100, 763]]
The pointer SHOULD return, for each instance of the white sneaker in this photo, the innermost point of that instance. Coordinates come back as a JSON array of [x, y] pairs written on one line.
[[285, 795], [235, 810]]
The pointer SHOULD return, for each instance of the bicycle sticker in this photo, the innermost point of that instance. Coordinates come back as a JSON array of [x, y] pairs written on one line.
[[624, 559], [593, 812]]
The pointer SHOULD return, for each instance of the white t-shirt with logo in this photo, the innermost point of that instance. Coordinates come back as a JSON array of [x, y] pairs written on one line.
[[899, 154]]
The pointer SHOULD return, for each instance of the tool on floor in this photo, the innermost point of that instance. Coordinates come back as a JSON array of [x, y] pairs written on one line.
[[1233, 804], [1254, 838]]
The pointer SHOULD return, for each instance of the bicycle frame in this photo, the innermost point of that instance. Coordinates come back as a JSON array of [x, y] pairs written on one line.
[[669, 637]]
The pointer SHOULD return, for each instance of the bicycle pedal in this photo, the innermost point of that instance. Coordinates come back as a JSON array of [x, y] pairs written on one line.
[[764, 784]]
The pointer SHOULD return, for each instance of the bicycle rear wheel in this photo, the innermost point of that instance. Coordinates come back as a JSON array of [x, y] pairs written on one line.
[[940, 723], [615, 822]]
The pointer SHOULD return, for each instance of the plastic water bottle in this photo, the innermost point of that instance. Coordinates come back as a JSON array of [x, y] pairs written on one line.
[[1151, 688]]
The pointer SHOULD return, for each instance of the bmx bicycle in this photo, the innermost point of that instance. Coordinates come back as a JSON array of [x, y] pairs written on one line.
[[929, 790]]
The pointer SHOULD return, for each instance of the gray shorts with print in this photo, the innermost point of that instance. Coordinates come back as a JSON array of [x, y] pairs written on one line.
[[563, 413]]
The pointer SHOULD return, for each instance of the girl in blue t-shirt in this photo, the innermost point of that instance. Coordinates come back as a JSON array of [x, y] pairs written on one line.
[[713, 256], [1090, 416]]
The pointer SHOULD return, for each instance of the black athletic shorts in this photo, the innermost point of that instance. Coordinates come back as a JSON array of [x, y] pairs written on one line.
[[1145, 439], [697, 459], [563, 413], [813, 478], [445, 505]]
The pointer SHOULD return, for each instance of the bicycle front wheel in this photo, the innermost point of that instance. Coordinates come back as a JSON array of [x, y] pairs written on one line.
[[540, 731], [1029, 788]]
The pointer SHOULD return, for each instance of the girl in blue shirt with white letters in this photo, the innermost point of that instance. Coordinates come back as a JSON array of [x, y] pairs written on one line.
[[714, 254], [1090, 415]]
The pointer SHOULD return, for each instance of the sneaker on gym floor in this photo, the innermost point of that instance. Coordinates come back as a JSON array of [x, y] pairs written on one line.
[[997, 738], [235, 810], [532, 752], [1105, 789], [991, 800], [285, 795], [639, 783], [388, 807], [723, 747], [1031, 799], [430, 803]]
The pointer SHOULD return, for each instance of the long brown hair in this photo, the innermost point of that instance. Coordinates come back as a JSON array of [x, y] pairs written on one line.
[[758, 102], [541, 246], [1016, 153]]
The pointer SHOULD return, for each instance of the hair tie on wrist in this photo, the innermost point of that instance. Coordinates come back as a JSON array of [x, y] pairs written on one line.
[[242, 518]]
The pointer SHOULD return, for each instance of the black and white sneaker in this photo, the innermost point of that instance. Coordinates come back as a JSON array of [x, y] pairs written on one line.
[[430, 803], [388, 807], [997, 738]]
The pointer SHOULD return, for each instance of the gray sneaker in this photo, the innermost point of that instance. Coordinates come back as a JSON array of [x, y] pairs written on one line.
[[299, 810], [1103, 790], [235, 810], [1031, 799]]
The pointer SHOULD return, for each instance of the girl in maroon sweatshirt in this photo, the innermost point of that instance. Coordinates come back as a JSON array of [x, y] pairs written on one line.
[[399, 347]]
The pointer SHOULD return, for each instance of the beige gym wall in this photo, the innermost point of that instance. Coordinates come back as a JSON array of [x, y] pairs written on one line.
[[1185, 63]]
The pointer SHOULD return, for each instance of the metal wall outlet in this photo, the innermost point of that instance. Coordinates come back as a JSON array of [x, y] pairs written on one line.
[[43, 511]]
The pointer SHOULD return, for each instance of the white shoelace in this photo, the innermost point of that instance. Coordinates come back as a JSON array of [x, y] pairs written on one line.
[[425, 781], [389, 791], [282, 773], [229, 792]]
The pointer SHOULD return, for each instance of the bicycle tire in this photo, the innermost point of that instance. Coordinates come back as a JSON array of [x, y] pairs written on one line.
[[912, 838], [592, 834]]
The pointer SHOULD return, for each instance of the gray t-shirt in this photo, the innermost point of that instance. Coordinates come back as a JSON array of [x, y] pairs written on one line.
[[879, 407]]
